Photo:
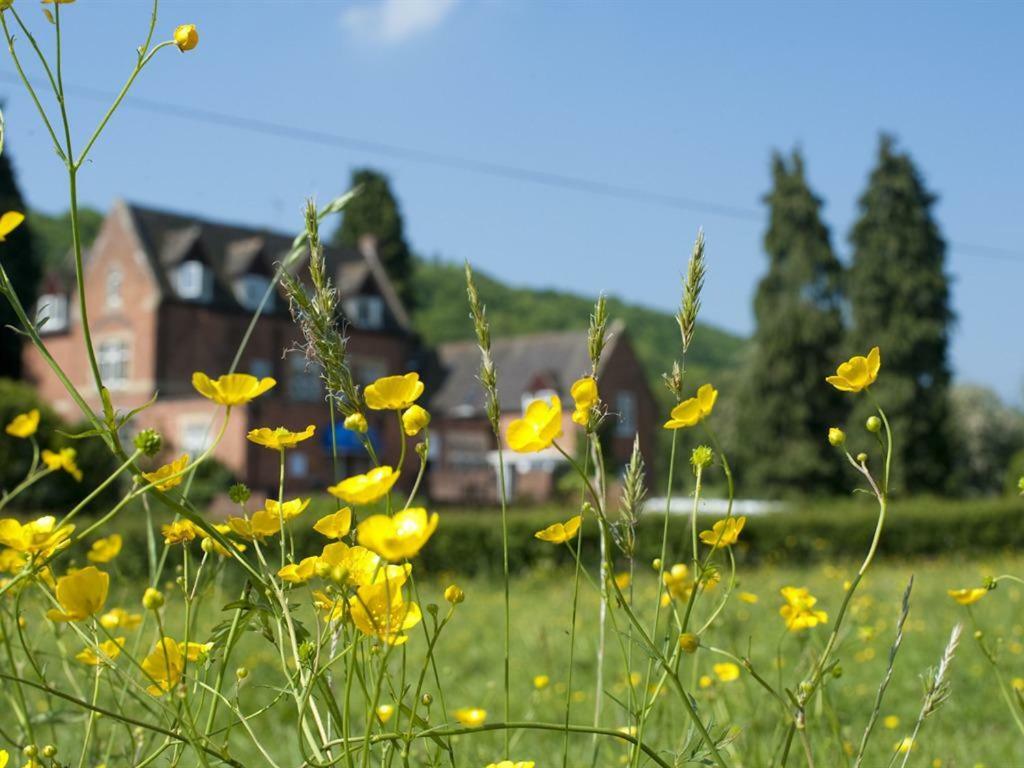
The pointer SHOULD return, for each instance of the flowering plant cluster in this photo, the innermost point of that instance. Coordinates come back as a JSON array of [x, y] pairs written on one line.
[[354, 660]]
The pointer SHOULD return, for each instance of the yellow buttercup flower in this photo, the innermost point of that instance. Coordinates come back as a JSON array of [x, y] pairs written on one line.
[[857, 373], [80, 594], [414, 420], [179, 532], [724, 533], [40, 537], [231, 388], [169, 475], [106, 549], [798, 612], [399, 537], [393, 393], [379, 610], [747, 597], [11, 561], [210, 544], [280, 438], [623, 580], [332, 608], [261, 525], [10, 222], [288, 510], [365, 488], [540, 426], [186, 37], [356, 566], [540, 682], [110, 649], [510, 764], [384, 713], [335, 525], [24, 425], [152, 599], [968, 595], [356, 422], [299, 573], [726, 671], [163, 667], [677, 581], [585, 397], [559, 533], [194, 651], [892, 722], [472, 717], [904, 745], [120, 618], [63, 459], [694, 410], [454, 594]]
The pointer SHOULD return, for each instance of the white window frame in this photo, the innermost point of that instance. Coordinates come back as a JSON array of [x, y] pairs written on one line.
[[366, 311], [57, 319], [192, 281], [114, 359], [113, 298], [298, 464], [194, 434]]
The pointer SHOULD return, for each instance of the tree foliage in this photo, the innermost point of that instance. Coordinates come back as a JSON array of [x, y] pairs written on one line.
[[786, 408], [22, 265], [900, 301], [375, 211]]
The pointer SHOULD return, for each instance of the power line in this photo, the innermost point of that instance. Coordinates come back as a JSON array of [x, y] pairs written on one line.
[[472, 165]]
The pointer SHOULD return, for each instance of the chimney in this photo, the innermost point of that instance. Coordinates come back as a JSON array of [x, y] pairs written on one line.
[[367, 246]]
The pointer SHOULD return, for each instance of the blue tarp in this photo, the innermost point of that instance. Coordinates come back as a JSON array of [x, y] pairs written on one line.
[[347, 441]]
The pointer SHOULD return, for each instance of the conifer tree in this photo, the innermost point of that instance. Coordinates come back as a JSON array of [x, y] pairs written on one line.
[[786, 408], [900, 301], [374, 211], [22, 264]]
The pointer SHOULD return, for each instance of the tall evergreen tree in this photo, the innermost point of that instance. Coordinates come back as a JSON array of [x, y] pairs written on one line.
[[375, 211], [786, 408], [899, 297], [23, 267]]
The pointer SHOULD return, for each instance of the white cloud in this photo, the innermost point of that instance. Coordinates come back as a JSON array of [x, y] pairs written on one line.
[[395, 21]]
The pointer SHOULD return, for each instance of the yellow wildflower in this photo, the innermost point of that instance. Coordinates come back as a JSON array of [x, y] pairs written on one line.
[[9, 222], [332, 608], [384, 713], [63, 459], [365, 488], [798, 612], [393, 393], [705, 681], [356, 566], [120, 618], [472, 717], [726, 671], [179, 532], [454, 594], [694, 410], [892, 722], [356, 422], [967, 595], [623, 580], [152, 599], [747, 597], [399, 537], [677, 581], [857, 373], [540, 682], [110, 649], [210, 544], [24, 425], [288, 510], [104, 550], [163, 667], [585, 397], [724, 533], [559, 533], [169, 475], [186, 37], [414, 420], [904, 745], [836, 436], [379, 610], [80, 594], [261, 525], [11, 561], [335, 525], [510, 764], [231, 388], [540, 425], [280, 438], [39, 537], [299, 573]]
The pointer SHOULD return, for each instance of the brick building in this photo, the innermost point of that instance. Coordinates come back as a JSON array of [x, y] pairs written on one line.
[[465, 457], [169, 294]]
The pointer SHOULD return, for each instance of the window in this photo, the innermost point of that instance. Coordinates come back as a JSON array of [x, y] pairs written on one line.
[[115, 279], [365, 311], [298, 464], [625, 404], [192, 281], [194, 437], [249, 290], [113, 360], [261, 368], [367, 370], [52, 309], [303, 379]]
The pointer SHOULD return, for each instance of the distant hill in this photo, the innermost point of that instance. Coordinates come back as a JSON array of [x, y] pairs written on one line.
[[442, 315]]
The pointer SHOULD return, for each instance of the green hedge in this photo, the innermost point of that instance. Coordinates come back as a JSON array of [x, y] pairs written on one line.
[[469, 542]]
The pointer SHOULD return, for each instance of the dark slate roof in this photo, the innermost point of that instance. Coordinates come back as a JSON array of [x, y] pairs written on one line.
[[552, 360], [231, 250]]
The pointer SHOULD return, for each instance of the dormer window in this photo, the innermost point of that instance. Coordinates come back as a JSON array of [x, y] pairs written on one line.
[[53, 307], [365, 311], [250, 289], [192, 281], [112, 292]]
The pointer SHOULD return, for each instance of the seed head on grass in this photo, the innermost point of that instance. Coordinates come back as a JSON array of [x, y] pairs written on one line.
[[482, 329], [689, 307]]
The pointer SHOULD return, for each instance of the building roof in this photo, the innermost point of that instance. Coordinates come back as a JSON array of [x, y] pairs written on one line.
[[527, 363], [231, 250]]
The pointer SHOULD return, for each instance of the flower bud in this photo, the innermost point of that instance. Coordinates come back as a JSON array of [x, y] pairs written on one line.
[[656, 563], [5, 4], [432, 609], [427, 699], [415, 420], [862, 458], [149, 442], [152, 599], [873, 424], [186, 37], [356, 422], [239, 493], [49, 751], [836, 436], [31, 751], [454, 594], [241, 673], [689, 642], [208, 545]]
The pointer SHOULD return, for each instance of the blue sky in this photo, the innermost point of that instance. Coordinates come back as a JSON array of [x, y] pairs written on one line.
[[678, 99]]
